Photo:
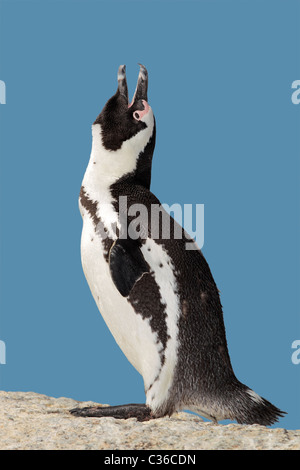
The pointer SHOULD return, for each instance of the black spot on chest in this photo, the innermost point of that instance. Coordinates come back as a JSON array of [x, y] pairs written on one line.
[[100, 229], [90, 205]]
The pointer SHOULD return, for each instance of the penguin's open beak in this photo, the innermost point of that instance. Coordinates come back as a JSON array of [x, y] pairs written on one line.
[[141, 87]]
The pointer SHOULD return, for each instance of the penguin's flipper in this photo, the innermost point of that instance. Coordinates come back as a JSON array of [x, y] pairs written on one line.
[[127, 264]]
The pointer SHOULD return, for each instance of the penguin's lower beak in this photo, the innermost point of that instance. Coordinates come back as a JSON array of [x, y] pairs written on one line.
[[141, 87]]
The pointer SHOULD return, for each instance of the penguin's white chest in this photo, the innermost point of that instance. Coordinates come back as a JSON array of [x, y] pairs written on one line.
[[131, 331]]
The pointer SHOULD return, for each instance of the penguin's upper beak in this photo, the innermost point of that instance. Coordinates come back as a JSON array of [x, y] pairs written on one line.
[[141, 87], [122, 81]]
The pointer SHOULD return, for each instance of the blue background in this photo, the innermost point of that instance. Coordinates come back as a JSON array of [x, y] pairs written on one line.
[[220, 75]]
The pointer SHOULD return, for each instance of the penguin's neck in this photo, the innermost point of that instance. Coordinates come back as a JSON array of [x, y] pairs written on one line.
[[141, 175], [126, 165]]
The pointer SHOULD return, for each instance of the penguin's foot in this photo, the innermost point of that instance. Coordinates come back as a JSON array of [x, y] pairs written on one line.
[[139, 411]]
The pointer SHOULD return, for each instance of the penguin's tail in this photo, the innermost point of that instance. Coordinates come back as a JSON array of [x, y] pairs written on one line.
[[247, 407]]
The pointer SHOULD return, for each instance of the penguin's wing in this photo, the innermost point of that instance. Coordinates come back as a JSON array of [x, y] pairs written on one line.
[[127, 264]]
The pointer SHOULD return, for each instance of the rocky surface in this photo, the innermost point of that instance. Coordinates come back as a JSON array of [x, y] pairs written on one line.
[[29, 421]]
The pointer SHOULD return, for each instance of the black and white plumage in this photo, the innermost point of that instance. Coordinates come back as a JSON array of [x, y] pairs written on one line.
[[158, 299]]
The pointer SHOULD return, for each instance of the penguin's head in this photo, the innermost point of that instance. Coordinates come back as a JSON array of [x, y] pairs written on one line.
[[124, 132]]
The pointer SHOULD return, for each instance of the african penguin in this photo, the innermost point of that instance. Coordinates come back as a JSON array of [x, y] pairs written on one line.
[[158, 298]]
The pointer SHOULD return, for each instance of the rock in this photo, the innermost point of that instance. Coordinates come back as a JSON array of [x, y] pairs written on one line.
[[29, 421]]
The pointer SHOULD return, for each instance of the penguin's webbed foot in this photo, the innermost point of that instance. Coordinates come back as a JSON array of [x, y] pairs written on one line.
[[139, 411]]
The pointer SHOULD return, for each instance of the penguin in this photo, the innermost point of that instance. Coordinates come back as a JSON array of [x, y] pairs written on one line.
[[156, 294]]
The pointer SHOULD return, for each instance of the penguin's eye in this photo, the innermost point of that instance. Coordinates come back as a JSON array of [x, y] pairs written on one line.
[[136, 115]]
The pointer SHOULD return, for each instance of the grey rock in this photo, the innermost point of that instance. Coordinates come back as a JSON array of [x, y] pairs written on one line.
[[30, 421]]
